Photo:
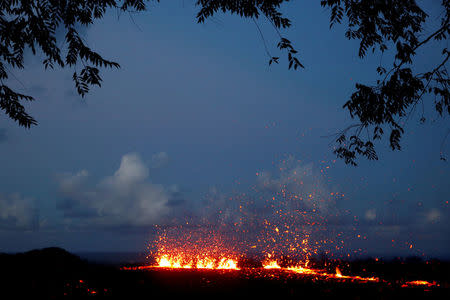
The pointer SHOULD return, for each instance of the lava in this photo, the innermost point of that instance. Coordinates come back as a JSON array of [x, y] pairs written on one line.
[[419, 283], [268, 266], [271, 265], [227, 264], [298, 269], [184, 262]]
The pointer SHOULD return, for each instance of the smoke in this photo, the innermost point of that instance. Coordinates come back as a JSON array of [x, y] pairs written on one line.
[[297, 186], [284, 213]]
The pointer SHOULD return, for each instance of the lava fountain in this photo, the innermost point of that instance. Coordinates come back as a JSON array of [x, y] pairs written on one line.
[[283, 223]]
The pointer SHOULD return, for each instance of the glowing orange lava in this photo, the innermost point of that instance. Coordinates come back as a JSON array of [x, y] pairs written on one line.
[[420, 283], [272, 264], [183, 262]]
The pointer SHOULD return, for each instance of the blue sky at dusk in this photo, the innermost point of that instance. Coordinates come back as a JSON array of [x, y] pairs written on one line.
[[195, 116]]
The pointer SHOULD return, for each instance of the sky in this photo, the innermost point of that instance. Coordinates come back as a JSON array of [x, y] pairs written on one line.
[[196, 121]]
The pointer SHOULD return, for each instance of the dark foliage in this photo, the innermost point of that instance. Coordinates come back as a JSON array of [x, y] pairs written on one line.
[[269, 9], [379, 25], [33, 24], [393, 100]]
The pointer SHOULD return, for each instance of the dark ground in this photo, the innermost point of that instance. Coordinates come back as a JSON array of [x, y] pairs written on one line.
[[53, 273]]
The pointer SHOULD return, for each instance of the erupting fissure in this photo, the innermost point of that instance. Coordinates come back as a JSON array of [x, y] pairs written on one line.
[[176, 262], [181, 262], [224, 263]]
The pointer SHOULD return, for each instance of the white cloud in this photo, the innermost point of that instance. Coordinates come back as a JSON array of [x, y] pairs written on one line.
[[131, 170], [127, 198], [71, 182]]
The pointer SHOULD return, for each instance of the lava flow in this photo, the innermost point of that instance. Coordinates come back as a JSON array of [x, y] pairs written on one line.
[[267, 269], [198, 263], [232, 264]]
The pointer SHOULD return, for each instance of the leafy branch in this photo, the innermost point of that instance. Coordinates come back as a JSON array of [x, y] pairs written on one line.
[[254, 9], [392, 101], [33, 25]]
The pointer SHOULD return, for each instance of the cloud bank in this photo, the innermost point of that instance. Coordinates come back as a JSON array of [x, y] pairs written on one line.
[[125, 199]]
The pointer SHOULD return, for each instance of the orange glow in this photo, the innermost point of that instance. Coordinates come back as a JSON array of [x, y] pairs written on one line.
[[359, 278], [182, 262], [205, 263], [171, 262], [272, 264], [224, 263], [303, 270], [227, 264], [420, 283]]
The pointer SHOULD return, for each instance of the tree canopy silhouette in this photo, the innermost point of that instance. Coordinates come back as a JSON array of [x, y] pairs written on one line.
[[379, 25]]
